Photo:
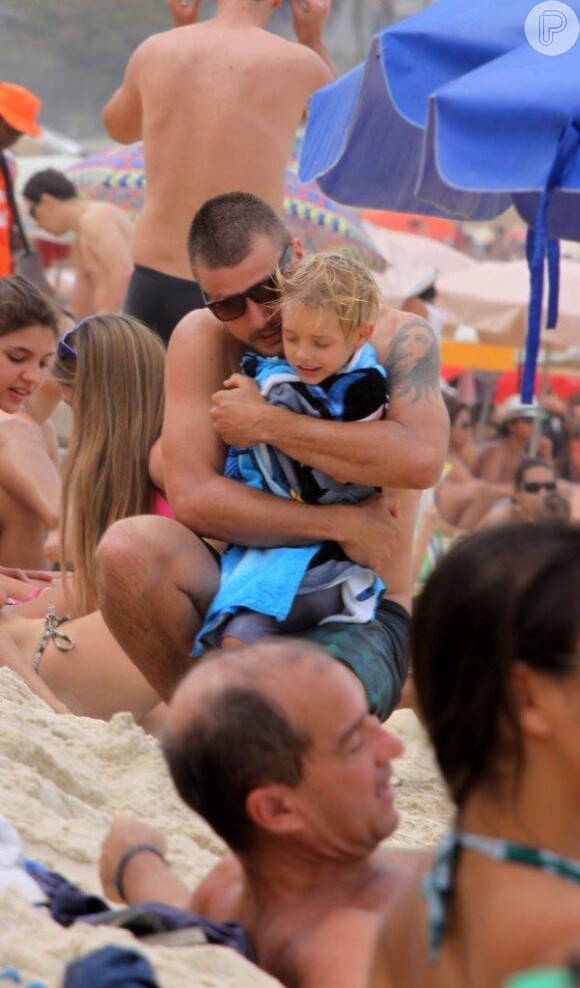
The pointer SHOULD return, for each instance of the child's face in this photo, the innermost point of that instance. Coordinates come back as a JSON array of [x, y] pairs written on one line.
[[314, 342]]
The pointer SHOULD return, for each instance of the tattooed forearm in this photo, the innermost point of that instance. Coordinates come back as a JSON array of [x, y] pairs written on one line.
[[413, 362]]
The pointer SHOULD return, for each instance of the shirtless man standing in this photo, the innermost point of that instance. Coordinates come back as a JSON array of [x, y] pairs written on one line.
[[299, 787], [158, 577], [102, 245], [217, 105]]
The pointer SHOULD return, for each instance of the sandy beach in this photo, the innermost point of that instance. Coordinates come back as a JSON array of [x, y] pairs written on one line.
[[64, 778]]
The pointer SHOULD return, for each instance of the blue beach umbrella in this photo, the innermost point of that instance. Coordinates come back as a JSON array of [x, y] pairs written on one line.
[[461, 111]]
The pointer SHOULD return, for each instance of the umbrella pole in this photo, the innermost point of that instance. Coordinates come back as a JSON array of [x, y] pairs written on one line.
[[546, 368], [485, 409], [546, 363]]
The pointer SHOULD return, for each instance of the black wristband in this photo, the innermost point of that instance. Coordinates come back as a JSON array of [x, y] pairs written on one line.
[[124, 861]]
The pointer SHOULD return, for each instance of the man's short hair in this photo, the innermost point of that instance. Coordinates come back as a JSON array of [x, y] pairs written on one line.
[[51, 182], [238, 741], [223, 230]]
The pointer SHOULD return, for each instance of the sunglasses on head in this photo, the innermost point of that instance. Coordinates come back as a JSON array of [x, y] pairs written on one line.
[[535, 486], [64, 350], [265, 292]]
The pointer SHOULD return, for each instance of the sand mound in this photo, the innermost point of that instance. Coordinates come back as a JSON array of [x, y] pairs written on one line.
[[64, 778]]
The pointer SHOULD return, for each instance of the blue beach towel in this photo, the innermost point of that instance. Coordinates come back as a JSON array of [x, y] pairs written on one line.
[[267, 580]]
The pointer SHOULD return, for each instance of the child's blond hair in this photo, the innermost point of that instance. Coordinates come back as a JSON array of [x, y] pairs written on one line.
[[333, 281]]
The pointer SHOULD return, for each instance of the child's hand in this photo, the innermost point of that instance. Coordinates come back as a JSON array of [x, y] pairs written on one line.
[[235, 381]]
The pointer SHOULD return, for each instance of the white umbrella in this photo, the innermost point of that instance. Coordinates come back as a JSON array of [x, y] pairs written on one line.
[[493, 297], [415, 262]]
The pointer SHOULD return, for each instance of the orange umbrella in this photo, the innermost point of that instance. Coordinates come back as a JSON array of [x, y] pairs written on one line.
[[426, 226]]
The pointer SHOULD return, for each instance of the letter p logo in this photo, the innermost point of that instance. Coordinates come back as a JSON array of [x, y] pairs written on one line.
[[552, 22], [552, 28]]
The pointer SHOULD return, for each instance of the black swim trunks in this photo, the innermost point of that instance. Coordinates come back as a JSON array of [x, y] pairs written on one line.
[[161, 300], [376, 652]]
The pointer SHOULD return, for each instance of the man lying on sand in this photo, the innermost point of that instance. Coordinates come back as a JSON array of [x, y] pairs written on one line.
[[299, 790]]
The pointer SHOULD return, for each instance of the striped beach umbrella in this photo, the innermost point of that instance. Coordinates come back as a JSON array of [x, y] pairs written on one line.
[[116, 174]]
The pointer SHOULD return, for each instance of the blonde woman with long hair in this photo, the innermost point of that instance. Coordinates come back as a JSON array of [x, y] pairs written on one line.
[[110, 369]]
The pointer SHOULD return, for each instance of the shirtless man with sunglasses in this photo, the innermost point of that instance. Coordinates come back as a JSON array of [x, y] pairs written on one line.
[[535, 496], [158, 576], [217, 105]]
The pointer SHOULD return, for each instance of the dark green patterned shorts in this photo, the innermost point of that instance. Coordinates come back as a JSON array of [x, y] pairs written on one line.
[[376, 652]]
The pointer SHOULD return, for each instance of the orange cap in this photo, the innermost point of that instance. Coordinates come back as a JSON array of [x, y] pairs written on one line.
[[19, 108]]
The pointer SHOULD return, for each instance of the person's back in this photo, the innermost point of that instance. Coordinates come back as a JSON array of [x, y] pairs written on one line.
[[480, 949], [502, 892], [220, 103], [104, 214]]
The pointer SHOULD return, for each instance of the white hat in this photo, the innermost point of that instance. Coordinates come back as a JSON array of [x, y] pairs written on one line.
[[514, 408]]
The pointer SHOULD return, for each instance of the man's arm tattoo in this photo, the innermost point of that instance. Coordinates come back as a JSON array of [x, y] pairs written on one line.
[[413, 364]]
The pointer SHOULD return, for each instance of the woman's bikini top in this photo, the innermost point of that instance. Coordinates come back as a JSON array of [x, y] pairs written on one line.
[[439, 882]]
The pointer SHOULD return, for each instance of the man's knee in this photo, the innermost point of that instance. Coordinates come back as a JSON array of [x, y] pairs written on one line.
[[138, 551], [123, 550]]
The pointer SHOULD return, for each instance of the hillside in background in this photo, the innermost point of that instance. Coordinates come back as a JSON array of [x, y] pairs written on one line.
[[73, 52]]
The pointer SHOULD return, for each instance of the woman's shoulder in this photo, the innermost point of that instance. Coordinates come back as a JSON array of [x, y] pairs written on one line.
[[402, 945], [19, 424]]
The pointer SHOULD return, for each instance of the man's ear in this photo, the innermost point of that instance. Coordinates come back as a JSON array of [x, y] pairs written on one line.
[[532, 696], [297, 248], [272, 808], [45, 199]]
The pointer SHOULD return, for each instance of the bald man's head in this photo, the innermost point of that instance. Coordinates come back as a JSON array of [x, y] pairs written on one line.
[[237, 722]]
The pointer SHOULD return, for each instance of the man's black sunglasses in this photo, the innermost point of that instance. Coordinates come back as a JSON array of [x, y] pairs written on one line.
[[265, 292], [535, 486]]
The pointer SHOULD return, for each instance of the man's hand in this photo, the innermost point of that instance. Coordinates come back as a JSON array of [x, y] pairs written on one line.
[[239, 412], [184, 12], [124, 833], [309, 18], [373, 530]]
